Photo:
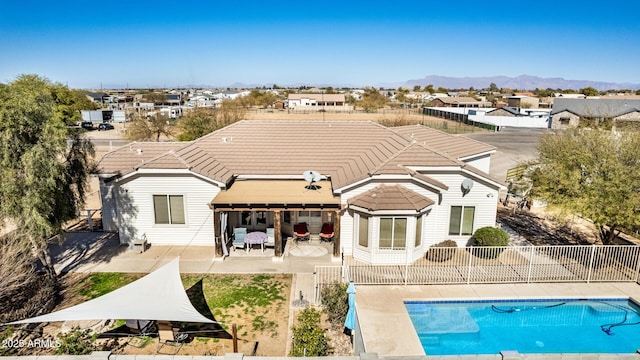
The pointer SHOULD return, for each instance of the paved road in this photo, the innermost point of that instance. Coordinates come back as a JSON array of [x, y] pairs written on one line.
[[515, 146]]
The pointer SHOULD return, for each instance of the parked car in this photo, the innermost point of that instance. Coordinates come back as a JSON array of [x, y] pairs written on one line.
[[105, 126], [88, 125]]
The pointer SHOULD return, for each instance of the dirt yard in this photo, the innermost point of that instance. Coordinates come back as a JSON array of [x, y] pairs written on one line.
[[544, 227]]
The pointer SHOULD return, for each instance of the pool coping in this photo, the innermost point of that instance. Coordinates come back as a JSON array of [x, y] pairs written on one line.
[[387, 329]]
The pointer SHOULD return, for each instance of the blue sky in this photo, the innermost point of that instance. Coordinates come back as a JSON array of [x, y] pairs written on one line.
[[174, 43]]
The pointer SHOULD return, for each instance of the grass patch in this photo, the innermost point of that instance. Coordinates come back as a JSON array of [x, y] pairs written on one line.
[[98, 284], [254, 302]]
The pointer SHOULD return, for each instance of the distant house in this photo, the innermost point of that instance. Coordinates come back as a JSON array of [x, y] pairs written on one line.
[[390, 193], [98, 97], [465, 102], [326, 100], [503, 111], [531, 102], [572, 112], [279, 104], [230, 94]]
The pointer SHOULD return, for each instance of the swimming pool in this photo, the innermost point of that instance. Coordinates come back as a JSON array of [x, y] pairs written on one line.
[[528, 326]]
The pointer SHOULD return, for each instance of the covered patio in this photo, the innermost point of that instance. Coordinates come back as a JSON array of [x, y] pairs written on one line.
[[258, 204]]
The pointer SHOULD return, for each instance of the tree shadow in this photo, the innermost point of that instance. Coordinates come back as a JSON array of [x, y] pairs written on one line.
[[83, 248], [538, 231]]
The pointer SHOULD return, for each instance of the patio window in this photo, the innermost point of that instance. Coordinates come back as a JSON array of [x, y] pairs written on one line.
[[312, 218], [363, 231], [418, 231], [393, 233], [261, 217], [253, 219], [168, 209], [461, 220], [245, 218]]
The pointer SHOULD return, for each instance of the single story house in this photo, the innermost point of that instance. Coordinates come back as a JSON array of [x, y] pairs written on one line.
[[389, 192], [568, 112], [326, 100], [459, 101]]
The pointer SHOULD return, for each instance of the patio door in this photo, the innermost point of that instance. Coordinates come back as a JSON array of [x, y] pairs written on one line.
[[313, 220], [255, 220]]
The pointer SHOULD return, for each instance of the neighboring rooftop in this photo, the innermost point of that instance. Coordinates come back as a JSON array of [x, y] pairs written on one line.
[[596, 107], [318, 97]]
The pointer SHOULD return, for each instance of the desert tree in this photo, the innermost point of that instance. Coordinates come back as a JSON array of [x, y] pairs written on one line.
[[24, 293], [149, 128], [201, 121], [592, 173], [372, 100], [44, 167], [589, 91]]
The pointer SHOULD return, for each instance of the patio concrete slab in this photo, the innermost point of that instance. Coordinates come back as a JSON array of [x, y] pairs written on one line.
[[386, 327]]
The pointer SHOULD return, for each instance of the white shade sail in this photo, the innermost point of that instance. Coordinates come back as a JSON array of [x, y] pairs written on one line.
[[159, 295]]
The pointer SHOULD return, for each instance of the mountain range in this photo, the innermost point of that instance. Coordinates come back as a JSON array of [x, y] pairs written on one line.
[[522, 82]]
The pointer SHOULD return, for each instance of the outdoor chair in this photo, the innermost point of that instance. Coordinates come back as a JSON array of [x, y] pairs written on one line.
[[271, 238], [238, 237], [301, 232], [170, 336], [326, 233]]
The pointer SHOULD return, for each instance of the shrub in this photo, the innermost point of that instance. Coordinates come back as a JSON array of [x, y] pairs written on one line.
[[442, 251], [335, 302], [308, 336], [75, 342], [490, 236]]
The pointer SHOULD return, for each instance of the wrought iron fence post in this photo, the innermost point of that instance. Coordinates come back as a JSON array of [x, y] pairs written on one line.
[[470, 263], [406, 266], [593, 250], [637, 264], [532, 249]]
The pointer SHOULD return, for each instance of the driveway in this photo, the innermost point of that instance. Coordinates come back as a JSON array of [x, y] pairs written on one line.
[[515, 146]]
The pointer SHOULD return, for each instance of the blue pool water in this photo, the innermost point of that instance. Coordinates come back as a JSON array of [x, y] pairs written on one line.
[[532, 326]]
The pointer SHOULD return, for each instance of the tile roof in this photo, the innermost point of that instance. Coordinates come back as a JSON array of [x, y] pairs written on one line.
[[458, 100], [346, 152], [318, 97], [391, 197], [128, 158], [455, 146]]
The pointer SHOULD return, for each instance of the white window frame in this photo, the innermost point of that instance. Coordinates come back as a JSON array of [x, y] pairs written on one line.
[[356, 227], [169, 209], [393, 237], [461, 226]]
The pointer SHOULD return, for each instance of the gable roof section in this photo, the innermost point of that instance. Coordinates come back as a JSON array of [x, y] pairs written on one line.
[[457, 147], [128, 158], [390, 198], [458, 100]]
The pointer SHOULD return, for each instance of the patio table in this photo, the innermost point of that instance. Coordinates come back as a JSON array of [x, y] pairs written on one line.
[[255, 237]]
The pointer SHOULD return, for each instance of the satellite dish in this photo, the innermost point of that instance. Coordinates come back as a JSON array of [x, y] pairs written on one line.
[[466, 186], [311, 177]]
